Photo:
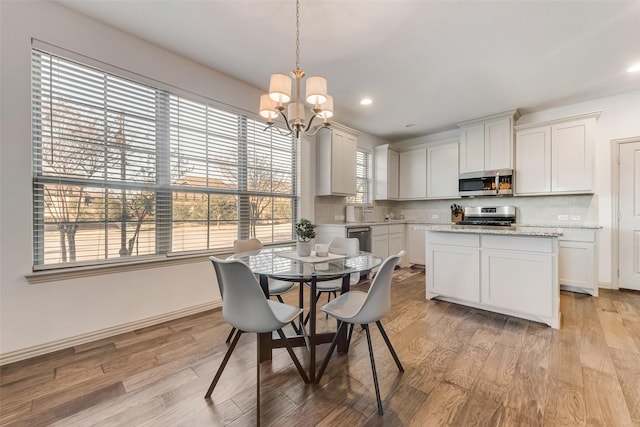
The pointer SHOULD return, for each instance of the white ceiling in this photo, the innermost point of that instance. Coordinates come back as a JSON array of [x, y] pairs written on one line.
[[427, 63]]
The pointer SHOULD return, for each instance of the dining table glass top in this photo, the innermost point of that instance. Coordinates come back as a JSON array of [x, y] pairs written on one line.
[[283, 263]]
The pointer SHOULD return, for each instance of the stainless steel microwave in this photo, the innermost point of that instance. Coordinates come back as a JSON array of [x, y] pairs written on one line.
[[487, 183]]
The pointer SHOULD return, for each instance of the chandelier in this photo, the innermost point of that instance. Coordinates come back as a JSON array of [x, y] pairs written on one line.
[[272, 104]]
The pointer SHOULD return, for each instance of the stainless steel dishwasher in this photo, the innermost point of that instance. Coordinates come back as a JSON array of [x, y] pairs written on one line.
[[363, 234]]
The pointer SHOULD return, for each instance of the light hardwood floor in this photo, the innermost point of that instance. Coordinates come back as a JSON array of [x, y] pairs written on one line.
[[463, 367]]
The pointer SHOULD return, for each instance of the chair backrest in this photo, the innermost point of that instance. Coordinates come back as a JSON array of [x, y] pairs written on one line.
[[378, 300], [244, 304], [344, 246], [246, 245]]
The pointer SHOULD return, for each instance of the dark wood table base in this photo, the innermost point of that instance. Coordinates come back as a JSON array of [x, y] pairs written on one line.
[[310, 338]]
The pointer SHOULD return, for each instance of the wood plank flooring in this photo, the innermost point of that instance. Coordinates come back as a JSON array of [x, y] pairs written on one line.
[[463, 367]]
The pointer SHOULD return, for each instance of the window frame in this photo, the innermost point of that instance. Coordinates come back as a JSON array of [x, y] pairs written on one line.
[[368, 180], [161, 187]]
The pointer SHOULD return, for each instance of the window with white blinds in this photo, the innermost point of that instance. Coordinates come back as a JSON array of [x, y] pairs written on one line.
[[364, 179], [123, 169]]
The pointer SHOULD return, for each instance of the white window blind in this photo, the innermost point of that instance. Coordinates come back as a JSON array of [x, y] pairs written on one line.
[[364, 178], [123, 169]]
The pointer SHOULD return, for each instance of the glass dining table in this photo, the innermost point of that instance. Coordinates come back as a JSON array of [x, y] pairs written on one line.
[[283, 263]]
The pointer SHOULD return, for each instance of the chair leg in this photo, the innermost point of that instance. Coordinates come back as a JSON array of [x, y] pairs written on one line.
[[393, 352], [280, 299], [230, 335], [258, 380], [296, 362], [326, 315], [349, 336], [325, 362], [373, 369], [223, 364]]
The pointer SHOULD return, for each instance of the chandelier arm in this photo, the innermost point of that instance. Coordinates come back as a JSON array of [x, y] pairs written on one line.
[[310, 122], [286, 121], [318, 128]]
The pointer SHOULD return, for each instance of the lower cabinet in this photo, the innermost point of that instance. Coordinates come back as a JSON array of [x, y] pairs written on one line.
[[517, 280], [577, 266], [415, 245], [387, 240], [453, 265], [515, 275]]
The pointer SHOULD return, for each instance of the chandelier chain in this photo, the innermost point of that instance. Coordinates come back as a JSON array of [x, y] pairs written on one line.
[[297, 34]]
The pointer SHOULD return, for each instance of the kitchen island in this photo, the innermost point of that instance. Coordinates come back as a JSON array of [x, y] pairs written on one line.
[[509, 270]]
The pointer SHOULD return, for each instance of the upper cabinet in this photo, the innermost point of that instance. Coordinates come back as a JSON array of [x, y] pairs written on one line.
[[556, 157], [442, 170], [487, 143], [413, 174], [386, 173], [428, 171], [336, 163]]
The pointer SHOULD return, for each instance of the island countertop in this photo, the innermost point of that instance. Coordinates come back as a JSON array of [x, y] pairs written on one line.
[[510, 231]]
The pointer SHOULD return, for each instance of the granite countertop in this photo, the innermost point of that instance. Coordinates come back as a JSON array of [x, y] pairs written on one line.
[[564, 225], [509, 231]]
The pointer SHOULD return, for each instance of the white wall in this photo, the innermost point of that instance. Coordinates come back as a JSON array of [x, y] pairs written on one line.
[[34, 315]]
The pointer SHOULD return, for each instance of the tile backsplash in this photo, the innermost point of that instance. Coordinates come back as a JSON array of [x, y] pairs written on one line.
[[534, 210]]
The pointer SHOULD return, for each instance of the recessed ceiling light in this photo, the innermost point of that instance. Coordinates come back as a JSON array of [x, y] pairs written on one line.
[[634, 68], [366, 101]]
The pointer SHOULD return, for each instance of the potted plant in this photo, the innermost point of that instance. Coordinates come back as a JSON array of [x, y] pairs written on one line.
[[305, 230]]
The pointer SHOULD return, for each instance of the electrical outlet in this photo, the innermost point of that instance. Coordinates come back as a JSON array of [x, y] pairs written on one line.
[[341, 218], [563, 217], [435, 216], [576, 217], [336, 218]]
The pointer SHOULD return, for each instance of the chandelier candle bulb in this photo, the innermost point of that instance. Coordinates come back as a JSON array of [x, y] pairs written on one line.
[[327, 109]]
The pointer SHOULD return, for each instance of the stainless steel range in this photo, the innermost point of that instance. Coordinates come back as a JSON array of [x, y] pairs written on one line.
[[502, 216]]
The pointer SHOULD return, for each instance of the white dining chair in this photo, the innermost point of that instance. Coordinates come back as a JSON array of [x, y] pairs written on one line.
[[339, 246], [276, 287], [363, 308], [246, 309]]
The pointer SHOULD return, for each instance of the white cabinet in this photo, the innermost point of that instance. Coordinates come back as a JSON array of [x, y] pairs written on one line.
[[387, 239], [396, 239], [453, 265], [487, 144], [336, 163], [577, 266], [520, 279], [442, 170], [510, 274], [413, 174], [556, 157], [386, 173], [533, 161], [572, 151], [416, 244]]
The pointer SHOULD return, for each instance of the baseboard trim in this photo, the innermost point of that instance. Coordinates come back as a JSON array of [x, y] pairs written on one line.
[[38, 350], [603, 285]]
